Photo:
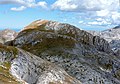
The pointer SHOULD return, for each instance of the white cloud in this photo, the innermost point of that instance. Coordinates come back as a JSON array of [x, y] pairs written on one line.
[[21, 2], [18, 9], [102, 13], [66, 5], [24, 4], [80, 22], [115, 17], [100, 23], [43, 4], [83, 5], [99, 19], [106, 10]]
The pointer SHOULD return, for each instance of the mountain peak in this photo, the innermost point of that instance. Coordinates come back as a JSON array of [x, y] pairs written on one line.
[[36, 24], [7, 35], [48, 25], [117, 27]]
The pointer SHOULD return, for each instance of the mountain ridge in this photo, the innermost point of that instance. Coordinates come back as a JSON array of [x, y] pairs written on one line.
[[50, 52], [112, 35], [83, 56]]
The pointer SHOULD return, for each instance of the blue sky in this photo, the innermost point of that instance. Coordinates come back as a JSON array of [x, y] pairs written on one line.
[[85, 14]]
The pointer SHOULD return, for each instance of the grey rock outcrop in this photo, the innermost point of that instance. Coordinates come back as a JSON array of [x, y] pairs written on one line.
[[30, 69], [86, 57], [112, 36]]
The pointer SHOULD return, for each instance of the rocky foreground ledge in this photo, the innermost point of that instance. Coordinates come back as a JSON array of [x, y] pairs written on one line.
[[18, 66], [85, 57]]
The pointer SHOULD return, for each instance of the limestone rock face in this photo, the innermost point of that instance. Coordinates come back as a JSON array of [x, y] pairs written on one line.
[[112, 36], [86, 57], [67, 31], [24, 67], [7, 35]]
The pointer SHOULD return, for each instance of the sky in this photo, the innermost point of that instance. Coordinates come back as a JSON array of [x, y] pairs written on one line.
[[84, 14]]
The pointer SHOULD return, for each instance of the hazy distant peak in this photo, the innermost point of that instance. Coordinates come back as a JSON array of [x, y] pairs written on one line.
[[117, 27], [7, 35]]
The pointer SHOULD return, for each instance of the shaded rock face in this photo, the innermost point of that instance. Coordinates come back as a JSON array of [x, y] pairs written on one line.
[[112, 36], [86, 57], [24, 67], [7, 35]]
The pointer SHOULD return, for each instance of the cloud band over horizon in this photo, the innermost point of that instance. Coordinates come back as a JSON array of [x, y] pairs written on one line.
[[90, 12]]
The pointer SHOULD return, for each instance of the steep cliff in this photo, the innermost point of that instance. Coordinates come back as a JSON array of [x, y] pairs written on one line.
[[86, 57]]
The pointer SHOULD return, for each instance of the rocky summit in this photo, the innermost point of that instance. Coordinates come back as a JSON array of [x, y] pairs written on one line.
[[73, 55]]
